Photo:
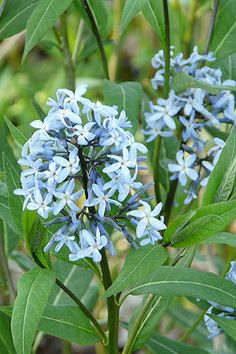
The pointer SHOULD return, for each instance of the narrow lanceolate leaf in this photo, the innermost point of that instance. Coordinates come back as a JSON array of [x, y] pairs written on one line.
[[163, 345], [222, 178], [15, 202], [222, 238], [34, 289], [42, 20], [138, 264], [69, 323], [6, 342], [228, 326], [171, 281], [131, 9], [224, 34], [204, 223], [182, 82], [153, 12], [100, 13], [158, 308], [15, 16], [127, 96], [18, 137], [5, 214]]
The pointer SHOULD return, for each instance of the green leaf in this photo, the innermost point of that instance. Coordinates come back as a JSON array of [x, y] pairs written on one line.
[[205, 222], [15, 16], [153, 12], [69, 275], [15, 202], [222, 178], [5, 149], [6, 310], [224, 34], [6, 342], [138, 264], [100, 13], [69, 323], [131, 9], [163, 345], [18, 137], [227, 66], [171, 281], [127, 96], [228, 326], [5, 214], [182, 82], [222, 238], [42, 20], [158, 308], [34, 289]]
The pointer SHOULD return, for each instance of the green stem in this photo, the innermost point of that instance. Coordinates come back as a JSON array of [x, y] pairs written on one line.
[[138, 325], [135, 329], [156, 166], [69, 67], [166, 49], [83, 309], [112, 308], [98, 37], [211, 27]]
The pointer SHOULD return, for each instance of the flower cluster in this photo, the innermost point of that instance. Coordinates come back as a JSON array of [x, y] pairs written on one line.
[[220, 310], [190, 112], [81, 171]]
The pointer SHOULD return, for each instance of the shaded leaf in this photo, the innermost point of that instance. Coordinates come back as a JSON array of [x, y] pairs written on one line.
[[153, 12], [6, 342]]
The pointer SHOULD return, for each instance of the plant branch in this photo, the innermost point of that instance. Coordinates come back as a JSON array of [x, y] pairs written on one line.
[[166, 48], [69, 66], [112, 307], [211, 27], [98, 37], [83, 309]]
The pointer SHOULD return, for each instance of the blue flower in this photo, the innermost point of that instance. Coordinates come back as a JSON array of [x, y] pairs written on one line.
[[65, 196], [147, 219], [183, 168], [70, 166], [40, 203], [102, 199], [91, 245]]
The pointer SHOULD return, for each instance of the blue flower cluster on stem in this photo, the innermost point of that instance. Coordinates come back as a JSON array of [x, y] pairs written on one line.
[[81, 168], [194, 110]]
